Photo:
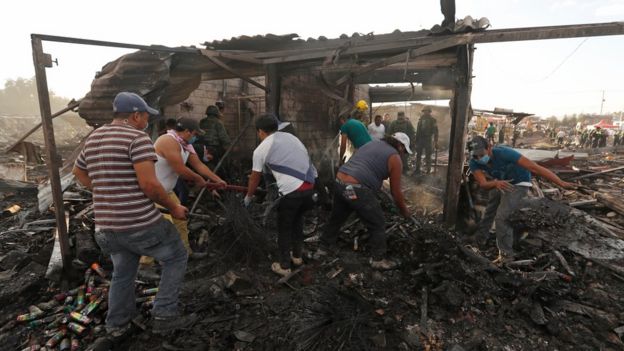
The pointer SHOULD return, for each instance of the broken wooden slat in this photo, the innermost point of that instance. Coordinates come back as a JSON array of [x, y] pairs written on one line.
[[582, 203], [611, 202], [597, 173], [564, 263]]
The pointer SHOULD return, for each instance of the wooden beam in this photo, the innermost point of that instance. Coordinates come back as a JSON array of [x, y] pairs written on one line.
[[40, 61], [432, 62], [227, 68], [460, 112], [437, 46], [405, 93], [273, 81], [552, 32], [441, 77], [246, 57]]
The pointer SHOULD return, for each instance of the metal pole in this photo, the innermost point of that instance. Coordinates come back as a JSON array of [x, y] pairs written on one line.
[[41, 61], [602, 103]]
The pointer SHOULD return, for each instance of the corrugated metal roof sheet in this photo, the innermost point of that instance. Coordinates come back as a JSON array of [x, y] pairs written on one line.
[[271, 42]]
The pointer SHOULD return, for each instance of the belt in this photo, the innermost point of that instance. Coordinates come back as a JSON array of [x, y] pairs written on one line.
[[355, 185]]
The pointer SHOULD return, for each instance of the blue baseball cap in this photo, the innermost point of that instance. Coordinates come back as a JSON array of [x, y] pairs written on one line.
[[126, 102]]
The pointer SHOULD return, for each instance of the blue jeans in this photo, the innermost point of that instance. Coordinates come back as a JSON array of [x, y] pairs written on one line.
[[161, 241]]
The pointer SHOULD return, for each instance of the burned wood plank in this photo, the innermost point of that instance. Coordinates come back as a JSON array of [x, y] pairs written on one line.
[[550, 32], [460, 112], [597, 173], [611, 202], [563, 262]]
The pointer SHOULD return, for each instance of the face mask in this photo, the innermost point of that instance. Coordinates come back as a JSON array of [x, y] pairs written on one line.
[[192, 139], [484, 160]]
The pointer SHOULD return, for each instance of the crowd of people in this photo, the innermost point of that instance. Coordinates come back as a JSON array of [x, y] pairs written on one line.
[[140, 189]]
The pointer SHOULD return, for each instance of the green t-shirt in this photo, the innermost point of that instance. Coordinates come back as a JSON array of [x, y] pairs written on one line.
[[490, 131], [357, 132]]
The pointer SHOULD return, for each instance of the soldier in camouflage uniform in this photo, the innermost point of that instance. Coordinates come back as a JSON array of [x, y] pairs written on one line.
[[402, 125], [212, 145], [426, 130]]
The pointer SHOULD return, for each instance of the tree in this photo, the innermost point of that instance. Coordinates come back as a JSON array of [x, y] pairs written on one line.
[[19, 97]]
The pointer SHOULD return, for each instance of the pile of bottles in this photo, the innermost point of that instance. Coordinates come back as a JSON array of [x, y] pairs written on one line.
[[73, 318]]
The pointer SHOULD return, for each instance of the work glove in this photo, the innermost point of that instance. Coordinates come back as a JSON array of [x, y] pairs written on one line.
[[247, 200]]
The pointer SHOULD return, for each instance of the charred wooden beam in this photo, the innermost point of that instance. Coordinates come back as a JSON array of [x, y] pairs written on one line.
[[460, 112], [273, 81], [229, 69], [551, 32], [406, 93]]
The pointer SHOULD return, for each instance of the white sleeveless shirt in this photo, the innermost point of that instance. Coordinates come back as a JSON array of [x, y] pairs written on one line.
[[165, 173]]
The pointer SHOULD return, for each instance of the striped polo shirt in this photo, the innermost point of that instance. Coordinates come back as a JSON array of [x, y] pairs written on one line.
[[108, 157]]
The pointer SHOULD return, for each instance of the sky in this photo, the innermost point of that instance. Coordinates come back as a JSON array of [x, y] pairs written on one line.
[[548, 77]]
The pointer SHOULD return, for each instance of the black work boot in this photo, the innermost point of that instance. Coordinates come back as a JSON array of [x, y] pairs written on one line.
[[163, 325]]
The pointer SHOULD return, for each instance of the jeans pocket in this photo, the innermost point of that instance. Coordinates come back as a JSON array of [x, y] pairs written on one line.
[[103, 242], [146, 239]]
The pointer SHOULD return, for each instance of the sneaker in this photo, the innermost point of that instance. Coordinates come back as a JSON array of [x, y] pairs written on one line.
[[297, 261], [277, 268], [169, 324], [319, 253], [384, 264]]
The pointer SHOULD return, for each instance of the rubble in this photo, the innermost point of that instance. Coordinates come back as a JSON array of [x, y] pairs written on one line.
[[562, 292]]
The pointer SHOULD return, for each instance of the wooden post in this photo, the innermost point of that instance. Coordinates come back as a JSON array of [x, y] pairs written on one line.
[[460, 110], [41, 61], [273, 83]]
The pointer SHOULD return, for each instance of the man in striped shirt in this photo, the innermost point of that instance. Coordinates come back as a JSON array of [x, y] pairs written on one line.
[[117, 163]]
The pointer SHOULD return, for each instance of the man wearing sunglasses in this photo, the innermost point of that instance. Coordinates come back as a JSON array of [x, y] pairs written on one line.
[[510, 181]]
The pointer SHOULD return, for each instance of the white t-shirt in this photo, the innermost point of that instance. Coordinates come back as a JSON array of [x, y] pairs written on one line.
[[377, 132], [561, 134], [285, 183]]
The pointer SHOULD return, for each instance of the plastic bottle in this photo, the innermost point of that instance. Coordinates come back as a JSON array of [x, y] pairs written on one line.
[[98, 269], [76, 328], [56, 338], [152, 291], [78, 317]]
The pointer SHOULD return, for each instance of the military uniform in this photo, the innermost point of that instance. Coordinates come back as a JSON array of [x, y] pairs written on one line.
[[427, 128], [403, 125], [216, 139]]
